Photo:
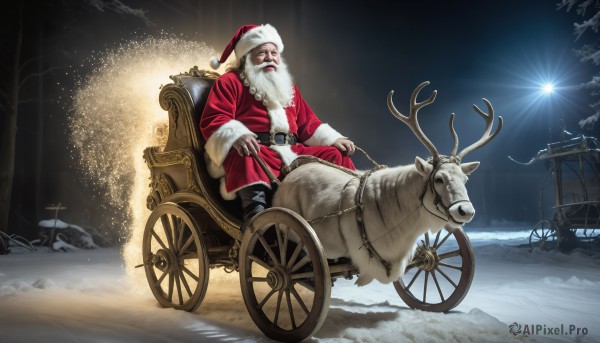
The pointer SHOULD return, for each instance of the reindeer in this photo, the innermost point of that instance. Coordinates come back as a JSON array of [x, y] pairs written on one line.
[[382, 212]]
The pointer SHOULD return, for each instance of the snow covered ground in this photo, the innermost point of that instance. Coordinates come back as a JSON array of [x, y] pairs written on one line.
[[85, 296]]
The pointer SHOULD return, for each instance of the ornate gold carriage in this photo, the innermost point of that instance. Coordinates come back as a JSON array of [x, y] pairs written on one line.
[[285, 277]]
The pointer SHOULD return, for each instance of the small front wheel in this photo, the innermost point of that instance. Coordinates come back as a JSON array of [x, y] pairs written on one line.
[[284, 275], [440, 274]]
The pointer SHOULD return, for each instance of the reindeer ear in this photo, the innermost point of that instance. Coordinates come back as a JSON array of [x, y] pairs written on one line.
[[423, 167], [470, 167]]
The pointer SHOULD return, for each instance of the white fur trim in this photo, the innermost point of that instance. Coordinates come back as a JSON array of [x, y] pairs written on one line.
[[217, 172], [214, 63], [286, 153], [257, 36], [324, 135], [224, 193], [279, 121], [214, 170], [220, 142]]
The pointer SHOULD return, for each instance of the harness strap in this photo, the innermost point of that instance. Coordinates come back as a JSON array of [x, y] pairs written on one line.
[[437, 199], [361, 224], [359, 207]]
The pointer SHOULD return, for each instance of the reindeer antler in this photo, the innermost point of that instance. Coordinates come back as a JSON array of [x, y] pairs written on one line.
[[485, 138], [412, 120]]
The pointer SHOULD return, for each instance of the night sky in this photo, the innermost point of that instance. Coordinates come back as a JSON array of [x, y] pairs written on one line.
[[345, 56]]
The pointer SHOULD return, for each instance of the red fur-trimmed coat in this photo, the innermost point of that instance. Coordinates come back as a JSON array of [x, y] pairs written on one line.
[[231, 111]]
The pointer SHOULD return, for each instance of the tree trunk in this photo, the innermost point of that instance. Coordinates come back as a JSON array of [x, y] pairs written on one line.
[[7, 149], [39, 153]]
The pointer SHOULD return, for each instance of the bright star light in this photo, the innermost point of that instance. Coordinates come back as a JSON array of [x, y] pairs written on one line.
[[548, 88]]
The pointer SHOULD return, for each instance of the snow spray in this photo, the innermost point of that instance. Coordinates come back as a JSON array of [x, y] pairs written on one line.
[[115, 116]]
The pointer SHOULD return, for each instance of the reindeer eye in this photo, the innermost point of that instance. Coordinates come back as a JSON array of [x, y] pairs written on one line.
[[439, 179]]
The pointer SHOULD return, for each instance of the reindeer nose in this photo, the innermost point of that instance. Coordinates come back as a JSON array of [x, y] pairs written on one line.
[[462, 212]]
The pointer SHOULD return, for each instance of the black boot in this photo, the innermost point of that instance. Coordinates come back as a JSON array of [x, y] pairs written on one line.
[[254, 200]]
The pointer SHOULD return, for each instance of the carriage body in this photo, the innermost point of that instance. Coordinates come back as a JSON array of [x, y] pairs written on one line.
[[571, 188], [285, 277]]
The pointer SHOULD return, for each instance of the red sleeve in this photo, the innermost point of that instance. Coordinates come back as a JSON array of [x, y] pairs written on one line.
[[220, 106], [307, 120]]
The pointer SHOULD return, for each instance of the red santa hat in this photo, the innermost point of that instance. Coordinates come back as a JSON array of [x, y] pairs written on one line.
[[247, 38]]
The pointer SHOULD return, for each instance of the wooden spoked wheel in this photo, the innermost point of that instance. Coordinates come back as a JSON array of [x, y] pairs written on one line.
[[284, 275], [440, 274], [544, 236], [175, 258]]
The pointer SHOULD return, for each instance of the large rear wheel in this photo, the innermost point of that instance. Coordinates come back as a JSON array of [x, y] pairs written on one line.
[[175, 258], [284, 275]]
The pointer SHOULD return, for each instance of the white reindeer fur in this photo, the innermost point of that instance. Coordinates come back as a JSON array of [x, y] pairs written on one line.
[[393, 216]]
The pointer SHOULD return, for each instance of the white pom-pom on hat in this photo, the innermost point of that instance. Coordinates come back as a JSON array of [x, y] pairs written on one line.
[[214, 62]]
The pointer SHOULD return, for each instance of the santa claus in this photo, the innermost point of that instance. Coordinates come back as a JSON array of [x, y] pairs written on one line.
[[255, 108]]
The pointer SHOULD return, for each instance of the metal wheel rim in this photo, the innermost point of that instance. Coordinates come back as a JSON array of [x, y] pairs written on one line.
[[437, 271], [299, 312], [544, 235], [175, 258]]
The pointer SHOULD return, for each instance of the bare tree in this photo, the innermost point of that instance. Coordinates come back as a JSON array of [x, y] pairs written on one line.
[[14, 74], [590, 11], [118, 6], [9, 101]]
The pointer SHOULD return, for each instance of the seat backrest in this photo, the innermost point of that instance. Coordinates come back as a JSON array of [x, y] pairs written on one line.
[[184, 116], [198, 87], [185, 99]]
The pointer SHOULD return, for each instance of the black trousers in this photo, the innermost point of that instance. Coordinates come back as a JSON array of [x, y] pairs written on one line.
[[255, 199]]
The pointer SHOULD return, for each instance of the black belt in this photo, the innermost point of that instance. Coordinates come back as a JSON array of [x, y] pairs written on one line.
[[277, 138]]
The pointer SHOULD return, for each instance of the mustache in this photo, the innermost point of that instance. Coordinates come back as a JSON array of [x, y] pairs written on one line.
[[265, 64]]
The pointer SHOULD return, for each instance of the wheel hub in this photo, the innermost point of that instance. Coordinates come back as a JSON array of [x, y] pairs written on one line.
[[426, 258], [277, 278], [163, 260]]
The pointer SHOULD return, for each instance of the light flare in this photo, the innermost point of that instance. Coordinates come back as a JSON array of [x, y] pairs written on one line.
[[115, 116], [547, 88]]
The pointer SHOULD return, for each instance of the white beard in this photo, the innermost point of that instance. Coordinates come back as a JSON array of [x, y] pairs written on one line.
[[276, 86]]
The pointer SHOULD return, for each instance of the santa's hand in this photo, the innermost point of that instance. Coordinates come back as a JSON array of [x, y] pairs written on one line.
[[345, 145], [246, 145]]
